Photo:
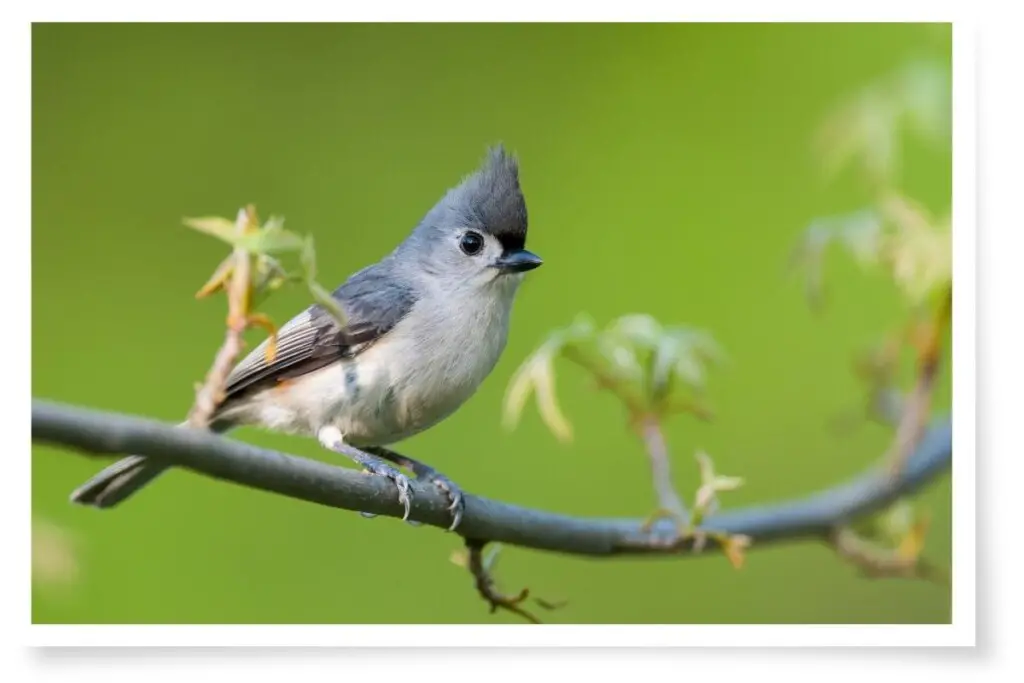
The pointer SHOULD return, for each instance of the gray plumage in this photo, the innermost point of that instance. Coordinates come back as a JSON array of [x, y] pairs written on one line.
[[490, 199], [426, 325], [374, 300]]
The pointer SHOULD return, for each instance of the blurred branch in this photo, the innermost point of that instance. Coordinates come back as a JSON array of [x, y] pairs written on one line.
[[875, 561], [669, 503], [815, 516], [918, 405]]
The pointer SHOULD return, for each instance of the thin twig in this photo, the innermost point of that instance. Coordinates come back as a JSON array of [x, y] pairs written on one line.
[[480, 568], [650, 431], [211, 393], [878, 562], [917, 405], [227, 459]]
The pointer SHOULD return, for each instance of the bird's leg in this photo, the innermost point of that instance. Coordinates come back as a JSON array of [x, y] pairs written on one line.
[[429, 474], [332, 439]]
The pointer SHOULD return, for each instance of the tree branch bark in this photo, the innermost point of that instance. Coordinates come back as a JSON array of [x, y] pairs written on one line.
[[815, 516]]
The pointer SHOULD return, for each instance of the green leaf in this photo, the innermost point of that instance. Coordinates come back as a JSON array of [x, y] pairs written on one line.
[[919, 253], [899, 236], [860, 231], [274, 223], [307, 258], [271, 238], [861, 128], [866, 126], [706, 499], [516, 395], [537, 376], [221, 228], [640, 329], [687, 352], [663, 363], [270, 242], [621, 358]]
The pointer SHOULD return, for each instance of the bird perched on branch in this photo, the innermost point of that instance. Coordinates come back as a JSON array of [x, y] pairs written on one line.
[[425, 326]]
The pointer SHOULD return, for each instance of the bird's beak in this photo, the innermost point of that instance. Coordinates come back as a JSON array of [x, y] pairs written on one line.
[[518, 261]]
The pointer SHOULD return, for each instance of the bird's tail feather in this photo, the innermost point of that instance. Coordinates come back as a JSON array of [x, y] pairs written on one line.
[[120, 480]]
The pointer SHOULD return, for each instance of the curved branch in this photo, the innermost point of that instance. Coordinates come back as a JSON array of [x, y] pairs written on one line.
[[201, 451]]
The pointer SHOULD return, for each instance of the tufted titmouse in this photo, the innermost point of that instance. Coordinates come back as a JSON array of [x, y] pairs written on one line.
[[426, 325]]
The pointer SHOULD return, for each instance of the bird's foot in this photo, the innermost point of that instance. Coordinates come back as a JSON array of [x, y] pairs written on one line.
[[380, 468], [331, 438], [426, 473], [456, 502]]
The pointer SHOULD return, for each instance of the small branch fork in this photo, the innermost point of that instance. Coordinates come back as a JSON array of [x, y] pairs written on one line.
[[481, 566]]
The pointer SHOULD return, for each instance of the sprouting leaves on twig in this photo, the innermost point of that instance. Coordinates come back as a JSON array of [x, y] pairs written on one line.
[[711, 484], [248, 275], [918, 252], [894, 232], [914, 250], [537, 376], [898, 236], [655, 370], [706, 502], [672, 353], [864, 129], [271, 238], [266, 243]]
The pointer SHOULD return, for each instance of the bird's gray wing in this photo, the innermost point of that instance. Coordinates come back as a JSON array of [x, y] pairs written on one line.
[[373, 300]]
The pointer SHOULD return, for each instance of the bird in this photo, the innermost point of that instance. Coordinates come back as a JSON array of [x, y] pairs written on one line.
[[425, 326]]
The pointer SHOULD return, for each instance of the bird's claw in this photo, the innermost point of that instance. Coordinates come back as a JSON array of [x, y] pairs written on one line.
[[457, 505], [426, 473], [401, 481]]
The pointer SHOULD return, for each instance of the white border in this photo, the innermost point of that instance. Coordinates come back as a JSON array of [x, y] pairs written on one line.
[[489, 636], [961, 632], [522, 10], [964, 324]]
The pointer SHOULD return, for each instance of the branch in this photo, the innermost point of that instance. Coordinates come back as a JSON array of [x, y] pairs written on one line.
[[237, 270], [878, 562], [480, 567], [918, 405], [815, 516]]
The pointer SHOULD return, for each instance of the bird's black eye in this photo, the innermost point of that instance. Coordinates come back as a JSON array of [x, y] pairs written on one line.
[[471, 243]]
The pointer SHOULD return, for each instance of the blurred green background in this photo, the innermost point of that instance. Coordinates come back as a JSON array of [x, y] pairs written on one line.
[[667, 170]]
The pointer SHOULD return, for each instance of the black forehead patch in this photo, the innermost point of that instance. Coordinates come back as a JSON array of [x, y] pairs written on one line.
[[493, 199]]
